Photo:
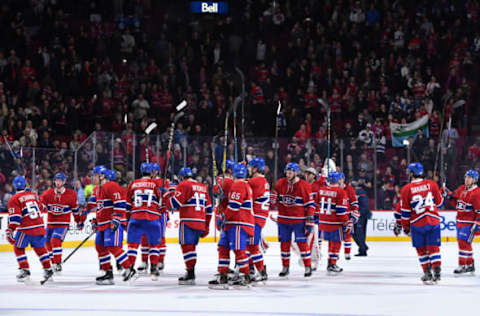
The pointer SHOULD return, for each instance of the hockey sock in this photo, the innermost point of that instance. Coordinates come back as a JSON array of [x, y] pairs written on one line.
[[132, 252], [144, 249], [242, 261], [56, 250], [154, 254], [347, 244], [423, 257], [21, 257], [163, 250], [44, 257], [465, 253], [189, 255], [333, 251], [223, 259], [48, 246], [434, 256], [120, 255], [256, 257], [305, 253], [285, 250], [103, 257]]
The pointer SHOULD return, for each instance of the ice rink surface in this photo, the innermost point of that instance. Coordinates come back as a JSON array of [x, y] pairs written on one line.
[[385, 283]]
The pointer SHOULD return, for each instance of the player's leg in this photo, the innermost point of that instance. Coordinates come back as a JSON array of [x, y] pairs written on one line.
[[239, 243], [113, 242], [19, 248], [285, 238], [188, 239], [419, 241], [48, 244], [134, 238], [433, 239], [465, 251], [301, 241], [163, 244], [347, 245], [56, 241], [145, 250], [256, 256], [104, 259], [38, 245], [221, 281], [153, 233], [334, 239]]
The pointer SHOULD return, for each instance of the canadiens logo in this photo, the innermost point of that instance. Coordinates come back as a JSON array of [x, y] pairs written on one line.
[[57, 209], [289, 200]]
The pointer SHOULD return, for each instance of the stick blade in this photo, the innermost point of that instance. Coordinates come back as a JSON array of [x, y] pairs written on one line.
[[181, 106], [150, 128]]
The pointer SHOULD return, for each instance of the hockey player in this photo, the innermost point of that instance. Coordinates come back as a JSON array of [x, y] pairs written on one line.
[[238, 226], [352, 211], [332, 203], [192, 200], [419, 200], [144, 213], [467, 201], [107, 200], [292, 197], [314, 240], [261, 207], [60, 203], [25, 227], [162, 251]]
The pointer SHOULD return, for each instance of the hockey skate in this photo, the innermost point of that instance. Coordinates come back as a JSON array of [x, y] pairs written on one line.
[[154, 272], [161, 266], [130, 274], [47, 276], [57, 268], [285, 272], [241, 281], [436, 274], [188, 278], [143, 267], [427, 277], [23, 275], [465, 270], [348, 256], [106, 278], [219, 283], [333, 269], [308, 272], [119, 268]]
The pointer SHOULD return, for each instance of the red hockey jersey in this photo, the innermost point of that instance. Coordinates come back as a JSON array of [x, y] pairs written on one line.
[[24, 213], [60, 206], [261, 199], [315, 186], [332, 205], [192, 200], [294, 201], [143, 200], [352, 209], [239, 211], [226, 190], [419, 201], [468, 205], [110, 204]]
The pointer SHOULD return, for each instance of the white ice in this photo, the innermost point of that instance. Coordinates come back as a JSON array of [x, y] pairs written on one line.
[[384, 283]]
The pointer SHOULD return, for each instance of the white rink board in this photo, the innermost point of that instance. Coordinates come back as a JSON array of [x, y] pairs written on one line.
[[381, 225], [384, 283]]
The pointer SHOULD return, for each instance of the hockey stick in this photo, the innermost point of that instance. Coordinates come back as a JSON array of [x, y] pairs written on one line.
[[445, 163], [327, 106], [148, 130], [225, 144], [472, 233], [275, 144], [179, 108], [235, 105], [439, 142], [78, 247]]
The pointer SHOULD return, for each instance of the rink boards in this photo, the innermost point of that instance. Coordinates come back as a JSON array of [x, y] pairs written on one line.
[[380, 228]]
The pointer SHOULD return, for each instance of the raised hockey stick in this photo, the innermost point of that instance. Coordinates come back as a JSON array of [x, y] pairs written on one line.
[[439, 142], [177, 116], [327, 107], [235, 105], [275, 144]]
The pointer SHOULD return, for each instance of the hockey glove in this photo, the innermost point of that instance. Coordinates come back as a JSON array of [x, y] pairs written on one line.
[[348, 228], [10, 237], [446, 193], [93, 221], [406, 230], [398, 229], [309, 224], [115, 224]]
